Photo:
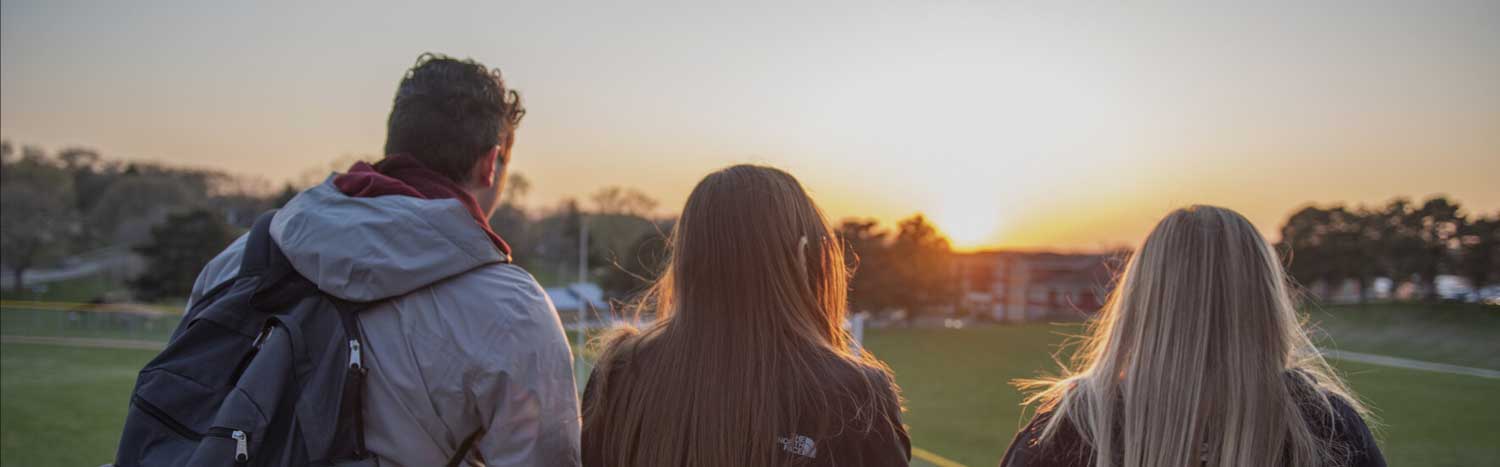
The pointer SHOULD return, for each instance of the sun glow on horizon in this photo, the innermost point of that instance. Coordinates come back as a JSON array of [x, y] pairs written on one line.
[[970, 221], [968, 232]]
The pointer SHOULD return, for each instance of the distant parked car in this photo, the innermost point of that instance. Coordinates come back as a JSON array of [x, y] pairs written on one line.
[[1489, 295]]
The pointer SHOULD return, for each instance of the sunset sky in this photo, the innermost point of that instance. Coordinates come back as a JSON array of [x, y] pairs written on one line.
[[1026, 125]]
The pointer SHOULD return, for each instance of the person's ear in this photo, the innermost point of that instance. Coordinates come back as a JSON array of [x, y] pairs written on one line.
[[484, 172]]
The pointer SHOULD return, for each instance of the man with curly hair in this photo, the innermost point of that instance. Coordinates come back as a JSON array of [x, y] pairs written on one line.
[[467, 357]]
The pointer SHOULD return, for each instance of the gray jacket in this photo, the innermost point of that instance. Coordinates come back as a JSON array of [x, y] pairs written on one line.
[[461, 342]]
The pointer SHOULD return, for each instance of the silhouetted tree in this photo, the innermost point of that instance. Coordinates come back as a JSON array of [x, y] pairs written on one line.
[[1332, 245], [867, 254], [1401, 246], [630, 271], [923, 258], [617, 200], [517, 186], [1480, 260], [1437, 223], [177, 250], [510, 219], [1360, 243], [37, 215], [1304, 237], [125, 212], [285, 195]]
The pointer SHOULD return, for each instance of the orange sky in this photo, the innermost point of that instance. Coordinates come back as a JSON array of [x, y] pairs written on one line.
[[1018, 126]]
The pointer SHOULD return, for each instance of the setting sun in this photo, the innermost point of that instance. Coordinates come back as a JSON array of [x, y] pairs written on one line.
[[971, 223]]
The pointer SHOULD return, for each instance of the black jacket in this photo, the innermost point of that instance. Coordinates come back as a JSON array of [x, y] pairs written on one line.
[[1068, 449]]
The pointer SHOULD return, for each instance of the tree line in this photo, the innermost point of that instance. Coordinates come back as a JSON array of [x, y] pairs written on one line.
[[177, 218], [1406, 242], [74, 201]]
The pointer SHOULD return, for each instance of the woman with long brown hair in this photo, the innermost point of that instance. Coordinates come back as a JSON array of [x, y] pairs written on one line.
[[1198, 359], [747, 362]]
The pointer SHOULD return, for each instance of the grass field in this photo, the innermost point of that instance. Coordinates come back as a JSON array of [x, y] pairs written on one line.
[[1457, 334], [63, 406]]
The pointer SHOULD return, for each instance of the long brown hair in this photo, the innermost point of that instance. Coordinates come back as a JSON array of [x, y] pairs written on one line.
[[1199, 358], [748, 336]]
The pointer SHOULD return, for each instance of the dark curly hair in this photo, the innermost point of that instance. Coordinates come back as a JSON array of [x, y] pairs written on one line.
[[448, 112]]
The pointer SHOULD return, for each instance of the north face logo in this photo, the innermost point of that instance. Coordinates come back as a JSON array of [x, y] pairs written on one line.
[[800, 445]]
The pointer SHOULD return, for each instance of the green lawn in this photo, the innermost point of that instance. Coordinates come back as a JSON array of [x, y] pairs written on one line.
[[1456, 334], [959, 403], [63, 406], [1430, 419]]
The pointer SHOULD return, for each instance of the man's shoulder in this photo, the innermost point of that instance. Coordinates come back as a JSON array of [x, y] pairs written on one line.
[[495, 279], [496, 306], [498, 287]]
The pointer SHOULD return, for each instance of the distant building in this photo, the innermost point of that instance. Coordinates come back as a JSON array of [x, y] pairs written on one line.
[[1026, 286], [578, 299]]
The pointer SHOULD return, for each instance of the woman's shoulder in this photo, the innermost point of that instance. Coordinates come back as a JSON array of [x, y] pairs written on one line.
[[617, 351], [864, 425], [1347, 433], [1066, 446], [1325, 410], [1338, 421], [873, 376]]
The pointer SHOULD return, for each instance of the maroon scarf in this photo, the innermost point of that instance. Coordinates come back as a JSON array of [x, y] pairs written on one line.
[[404, 175]]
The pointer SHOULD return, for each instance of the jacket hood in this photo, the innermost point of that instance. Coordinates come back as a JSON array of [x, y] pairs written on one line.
[[365, 249]]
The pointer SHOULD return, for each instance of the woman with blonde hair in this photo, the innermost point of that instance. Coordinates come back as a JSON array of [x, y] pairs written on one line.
[[747, 362], [1198, 359]]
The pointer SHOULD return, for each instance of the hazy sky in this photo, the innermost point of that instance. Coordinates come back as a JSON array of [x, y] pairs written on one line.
[[1012, 124]]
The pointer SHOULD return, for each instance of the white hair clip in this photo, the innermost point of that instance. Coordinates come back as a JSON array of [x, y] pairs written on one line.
[[802, 257]]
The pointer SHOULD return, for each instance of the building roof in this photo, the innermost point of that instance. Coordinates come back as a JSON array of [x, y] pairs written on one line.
[[578, 295]]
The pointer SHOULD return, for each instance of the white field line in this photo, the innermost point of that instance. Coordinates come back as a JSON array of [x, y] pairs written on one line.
[[1409, 364]]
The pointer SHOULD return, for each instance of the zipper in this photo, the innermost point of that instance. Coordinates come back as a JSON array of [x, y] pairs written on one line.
[[241, 446], [265, 333], [161, 416], [355, 362], [260, 340], [241, 442]]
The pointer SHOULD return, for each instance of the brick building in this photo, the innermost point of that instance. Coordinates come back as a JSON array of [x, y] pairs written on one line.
[[1018, 286]]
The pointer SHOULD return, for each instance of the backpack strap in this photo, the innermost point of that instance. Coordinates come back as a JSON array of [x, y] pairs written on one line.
[[354, 390], [464, 448], [258, 246], [354, 400], [278, 284]]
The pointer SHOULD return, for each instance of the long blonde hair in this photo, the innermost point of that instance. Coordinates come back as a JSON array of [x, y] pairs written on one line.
[[1199, 357], [748, 333]]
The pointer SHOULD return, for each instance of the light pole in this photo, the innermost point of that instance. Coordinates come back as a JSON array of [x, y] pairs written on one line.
[[583, 248]]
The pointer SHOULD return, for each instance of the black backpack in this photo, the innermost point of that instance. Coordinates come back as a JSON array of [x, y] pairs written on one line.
[[264, 370]]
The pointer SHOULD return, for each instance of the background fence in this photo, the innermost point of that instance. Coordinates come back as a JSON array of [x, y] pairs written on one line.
[[88, 321]]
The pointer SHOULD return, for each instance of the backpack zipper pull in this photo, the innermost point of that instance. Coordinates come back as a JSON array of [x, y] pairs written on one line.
[[354, 358], [241, 446]]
